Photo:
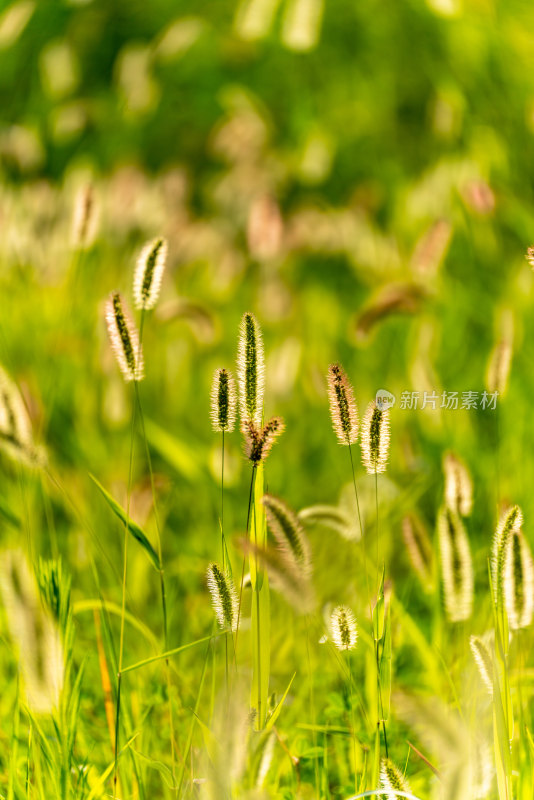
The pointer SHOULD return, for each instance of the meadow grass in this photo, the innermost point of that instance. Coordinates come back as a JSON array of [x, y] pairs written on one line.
[[202, 613]]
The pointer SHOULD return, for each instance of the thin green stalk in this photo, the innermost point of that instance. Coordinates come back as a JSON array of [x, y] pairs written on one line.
[[160, 557], [123, 603], [375, 633], [28, 760], [312, 708], [379, 683], [352, 719], [252, 479], [362, 538], [225, 563], [193, 720], [257, 598]]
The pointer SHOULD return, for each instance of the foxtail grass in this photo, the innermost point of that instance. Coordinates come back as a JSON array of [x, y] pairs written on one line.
[[510, 520], [84, 218], [458, 485], [250, 370], [481, 647], [148, 274], [392, 780], [223, 597], [518, 581], [456, 566], [288, 532], [125, 340]]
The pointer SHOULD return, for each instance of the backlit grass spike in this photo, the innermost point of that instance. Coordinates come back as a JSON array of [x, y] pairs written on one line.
[[250, 370], [343, 628], [288, 532], [343, 410], [149, 274], [392, 779], [518, 583], [223, 597], [510, 520], [456, 566], [483, 659], [124, 339], [458, 485], [223, 401], [375, 439]]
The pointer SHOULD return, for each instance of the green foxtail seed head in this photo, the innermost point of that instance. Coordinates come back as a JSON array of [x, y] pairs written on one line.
[[258, 441], [458, 485], [223, 401], [149, 274], [223, 597], [456, 566], [418, 547], [124, 339], [16, 436], [510, 520], [343, 628], [250, 370], [482, 653], [288, 532], [518, 583], [34, 633], [343, 410], [85, 218], [530, 256], [284, 576], [375, 439], [392, 778]]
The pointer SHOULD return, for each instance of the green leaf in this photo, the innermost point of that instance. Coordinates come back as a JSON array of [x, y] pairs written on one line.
[[385, 666], [276, 713], [134, 529]]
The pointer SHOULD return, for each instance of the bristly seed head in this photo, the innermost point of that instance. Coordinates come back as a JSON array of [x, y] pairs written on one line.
[[458, 485], [483, 659], [250, 370], [258, 441], [343, 408], [343, 628], [518, 583], [530, 256], [85, 218], [288, 532], [456, 566], [124, 339], [375, 439], [392, 779], [223, 597], [149, 273], [419, 548], [510, 520], [16, 436], [223, 401]]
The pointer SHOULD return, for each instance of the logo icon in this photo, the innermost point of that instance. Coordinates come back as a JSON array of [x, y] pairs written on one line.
[[384, 399]]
